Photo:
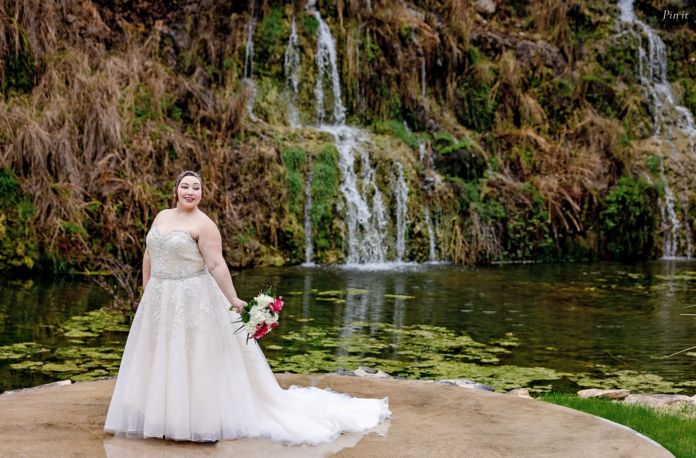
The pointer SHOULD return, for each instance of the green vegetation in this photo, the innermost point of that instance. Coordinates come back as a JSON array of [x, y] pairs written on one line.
[[673, 427], [325, 178], [19, 70], [630, 221], [535, 161]]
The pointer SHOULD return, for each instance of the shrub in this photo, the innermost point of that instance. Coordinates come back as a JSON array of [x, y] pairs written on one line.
[[629, 221]]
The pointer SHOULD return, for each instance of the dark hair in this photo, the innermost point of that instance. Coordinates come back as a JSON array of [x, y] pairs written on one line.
[[182, 175]]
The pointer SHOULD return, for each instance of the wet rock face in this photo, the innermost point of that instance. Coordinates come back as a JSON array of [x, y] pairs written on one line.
[[531, 54], [528, 53]]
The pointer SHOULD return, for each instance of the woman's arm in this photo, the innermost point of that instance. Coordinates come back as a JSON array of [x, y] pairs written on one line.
[[210, 244], [146, 269]]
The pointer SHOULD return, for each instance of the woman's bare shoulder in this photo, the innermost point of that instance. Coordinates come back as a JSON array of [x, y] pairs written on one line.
[[206, 226], [162, 215]]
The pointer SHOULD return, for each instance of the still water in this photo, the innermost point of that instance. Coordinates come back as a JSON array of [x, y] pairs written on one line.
[[542, 326]]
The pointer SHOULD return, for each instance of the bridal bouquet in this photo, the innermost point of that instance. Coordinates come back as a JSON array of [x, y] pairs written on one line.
[[260, 315]]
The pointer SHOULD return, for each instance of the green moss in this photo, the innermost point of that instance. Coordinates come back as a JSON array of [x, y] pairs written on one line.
[[652, 162], [397, 129], [309, 23], [270, 40], [325, 179]]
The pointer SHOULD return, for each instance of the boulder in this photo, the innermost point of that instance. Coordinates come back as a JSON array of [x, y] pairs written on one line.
[[485, 6], [490, 43], [658, 399], [617, 395], [180, 39], [342, 371], [464, 383], [530, 55], [363, 371], [520, 393]]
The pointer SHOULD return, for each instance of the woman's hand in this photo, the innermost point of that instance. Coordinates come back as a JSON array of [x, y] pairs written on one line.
[[238, 304]]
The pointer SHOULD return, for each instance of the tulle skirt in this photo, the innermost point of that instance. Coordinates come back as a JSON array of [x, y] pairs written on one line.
[[185, 375]]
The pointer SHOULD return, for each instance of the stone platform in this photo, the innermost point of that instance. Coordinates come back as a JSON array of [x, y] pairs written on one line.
[[429, 420]]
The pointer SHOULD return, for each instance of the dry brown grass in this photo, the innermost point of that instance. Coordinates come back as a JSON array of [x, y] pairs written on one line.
[[94, 141], [551, 19]]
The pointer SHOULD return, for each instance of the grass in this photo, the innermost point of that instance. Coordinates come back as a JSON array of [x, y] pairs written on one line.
[[673, 427]]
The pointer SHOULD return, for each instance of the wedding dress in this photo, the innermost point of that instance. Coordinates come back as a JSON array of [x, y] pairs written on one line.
[[185, 375]]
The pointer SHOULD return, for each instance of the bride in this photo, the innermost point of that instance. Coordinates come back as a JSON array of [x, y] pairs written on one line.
[[185, 374]]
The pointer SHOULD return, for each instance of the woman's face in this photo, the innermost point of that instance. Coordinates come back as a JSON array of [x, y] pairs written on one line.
[[189, 193]]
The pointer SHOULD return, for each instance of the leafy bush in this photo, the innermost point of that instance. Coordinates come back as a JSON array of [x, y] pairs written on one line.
[[630, 220]]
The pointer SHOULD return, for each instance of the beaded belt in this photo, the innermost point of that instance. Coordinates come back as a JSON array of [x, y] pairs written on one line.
[[180, 276]]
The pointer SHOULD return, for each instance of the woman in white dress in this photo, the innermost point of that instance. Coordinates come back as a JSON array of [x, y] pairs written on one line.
[[185, 374]]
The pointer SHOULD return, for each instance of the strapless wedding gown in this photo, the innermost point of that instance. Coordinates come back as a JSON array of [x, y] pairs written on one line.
[[185, 375]]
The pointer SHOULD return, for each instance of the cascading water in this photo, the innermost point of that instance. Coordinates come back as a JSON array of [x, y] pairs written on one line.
[[292, 75], [249, 55], [401, 197], [668, 213], [671, 123], [327, 68], [367, 221], [309, 244], [249, 60], [366, 224], [431, 235]]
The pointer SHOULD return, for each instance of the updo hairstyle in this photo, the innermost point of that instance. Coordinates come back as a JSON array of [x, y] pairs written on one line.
[[185, 173]]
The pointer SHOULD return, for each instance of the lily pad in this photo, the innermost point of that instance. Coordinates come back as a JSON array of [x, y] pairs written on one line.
[[55, 367], [76, 333], [89, 376], [357, 291], [399, 296], [26, 365]]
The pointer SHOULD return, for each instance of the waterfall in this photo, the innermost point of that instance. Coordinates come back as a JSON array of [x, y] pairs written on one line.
[[421, 152], [366, 217], [431, 235], [249, 56], [671, 122], [367, 221], [292, 75], [249, 60], [670, 223], [327, 67], [309, 248], [401, 195]]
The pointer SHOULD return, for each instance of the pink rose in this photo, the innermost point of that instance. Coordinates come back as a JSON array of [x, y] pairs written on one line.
[[277, 305], [261, 329]]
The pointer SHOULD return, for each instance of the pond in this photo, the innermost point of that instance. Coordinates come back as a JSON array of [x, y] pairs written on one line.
[[545, 327]]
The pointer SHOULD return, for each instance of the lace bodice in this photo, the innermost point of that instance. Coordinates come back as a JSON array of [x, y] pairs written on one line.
[[174, 255]]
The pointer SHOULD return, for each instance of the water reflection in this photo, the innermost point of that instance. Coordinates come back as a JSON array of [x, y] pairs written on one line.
[[120, 447], [566, 317]]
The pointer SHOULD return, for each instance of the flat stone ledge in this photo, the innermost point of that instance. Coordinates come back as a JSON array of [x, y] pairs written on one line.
[[34, 388], [429, 420]]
